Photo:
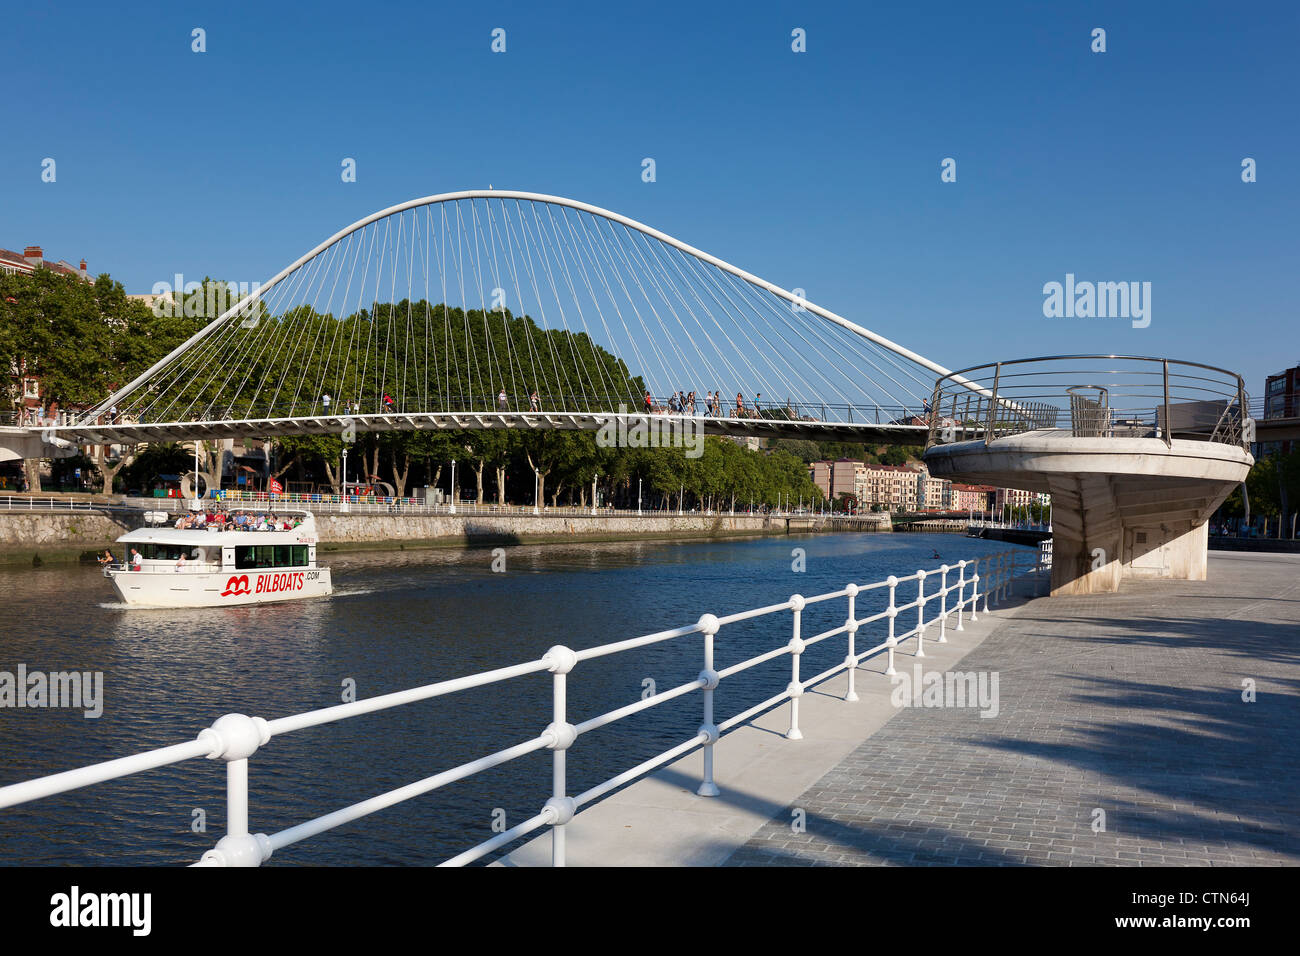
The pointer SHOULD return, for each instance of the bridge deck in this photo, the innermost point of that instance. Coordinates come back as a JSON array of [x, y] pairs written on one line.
[[886, 433]]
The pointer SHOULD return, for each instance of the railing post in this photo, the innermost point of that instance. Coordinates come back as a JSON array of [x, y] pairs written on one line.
[[1243, 412], [990, 572], [993, 404], [961, 592], [943, 604], [234, 738], [561, 660], [920, 612], [795, 690], [891, 642], [851, 625], [709, 627], [1169, 436], [975, 589]]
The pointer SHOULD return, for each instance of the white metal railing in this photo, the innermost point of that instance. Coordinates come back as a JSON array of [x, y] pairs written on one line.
[[371, 504], [1004, 525], [35, 503], [236, 737]]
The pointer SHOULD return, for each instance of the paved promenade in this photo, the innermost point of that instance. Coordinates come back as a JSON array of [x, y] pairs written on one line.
[[1125, 703]]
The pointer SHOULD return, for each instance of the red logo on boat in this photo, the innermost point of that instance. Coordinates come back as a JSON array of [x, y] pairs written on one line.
[[237, 585]]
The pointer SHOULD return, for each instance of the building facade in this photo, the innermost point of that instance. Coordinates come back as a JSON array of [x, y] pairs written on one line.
[[1281, 400], [32, 258]]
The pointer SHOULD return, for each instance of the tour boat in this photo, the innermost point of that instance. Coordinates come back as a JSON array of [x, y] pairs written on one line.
[[204, 567]]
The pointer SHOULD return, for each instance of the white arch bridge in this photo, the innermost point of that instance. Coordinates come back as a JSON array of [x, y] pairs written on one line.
[[504, 309]]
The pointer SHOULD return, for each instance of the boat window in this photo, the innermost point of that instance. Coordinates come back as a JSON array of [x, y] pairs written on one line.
[[163, 552], [270, 556]]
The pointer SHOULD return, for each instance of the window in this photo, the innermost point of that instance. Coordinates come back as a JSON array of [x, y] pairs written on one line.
[[255, 556], [163, 552]]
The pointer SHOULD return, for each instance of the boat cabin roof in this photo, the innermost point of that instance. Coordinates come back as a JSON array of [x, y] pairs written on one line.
[[305, 533]]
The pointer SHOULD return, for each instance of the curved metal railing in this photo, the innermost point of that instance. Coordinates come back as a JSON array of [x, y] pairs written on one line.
[[1092, 396]]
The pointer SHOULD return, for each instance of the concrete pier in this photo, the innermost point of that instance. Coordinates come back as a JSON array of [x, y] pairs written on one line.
[[1121, 507]]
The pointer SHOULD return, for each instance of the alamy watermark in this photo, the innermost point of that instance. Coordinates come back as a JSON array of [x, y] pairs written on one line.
[[198, 300], [946, 689], [82, 690], [1099, 300], [652, 431]]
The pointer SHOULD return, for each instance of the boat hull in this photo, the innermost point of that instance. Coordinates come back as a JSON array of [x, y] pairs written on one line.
[[219, 588]]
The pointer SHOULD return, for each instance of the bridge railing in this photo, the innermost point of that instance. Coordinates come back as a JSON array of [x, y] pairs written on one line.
[[1091, 396], [371, 415], [946, 591]]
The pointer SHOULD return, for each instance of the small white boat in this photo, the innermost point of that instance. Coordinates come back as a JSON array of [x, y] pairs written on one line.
[[204, 567]]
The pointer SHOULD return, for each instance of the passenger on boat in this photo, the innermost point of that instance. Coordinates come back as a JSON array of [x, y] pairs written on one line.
[[136, 560]]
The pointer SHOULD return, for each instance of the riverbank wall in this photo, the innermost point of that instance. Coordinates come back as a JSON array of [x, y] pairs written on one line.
[[1267, 545], [35, 537], [371, 531], [38, 537], [1014, 535]]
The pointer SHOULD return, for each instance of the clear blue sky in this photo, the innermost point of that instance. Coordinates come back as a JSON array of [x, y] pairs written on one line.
[[818, 170]]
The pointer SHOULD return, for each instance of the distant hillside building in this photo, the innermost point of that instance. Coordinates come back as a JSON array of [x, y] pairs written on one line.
[[1281, 400], [835, 478], [977, 498], [32, 258]]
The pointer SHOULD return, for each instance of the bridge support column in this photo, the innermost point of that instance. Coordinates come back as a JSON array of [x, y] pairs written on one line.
[[1106, 530], [1087, 536]]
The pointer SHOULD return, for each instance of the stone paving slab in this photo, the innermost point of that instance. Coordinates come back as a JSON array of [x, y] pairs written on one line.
[[1130, 704]]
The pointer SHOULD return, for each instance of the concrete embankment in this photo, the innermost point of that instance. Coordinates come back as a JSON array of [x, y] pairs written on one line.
[[1270, 545], [340, 532], [36, 537], [1014, 535], [33, 536]]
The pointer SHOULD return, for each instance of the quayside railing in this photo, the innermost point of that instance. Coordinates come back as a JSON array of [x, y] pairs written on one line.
[[235, 738]]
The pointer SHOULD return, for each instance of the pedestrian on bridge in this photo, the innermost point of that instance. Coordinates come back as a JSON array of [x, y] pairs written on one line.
[[501, 400]]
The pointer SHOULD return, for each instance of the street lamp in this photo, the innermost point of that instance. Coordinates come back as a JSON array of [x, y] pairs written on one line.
[[343, 506], [197, 498], [451, 505], [537, 487], [638, 496], [593, 493]]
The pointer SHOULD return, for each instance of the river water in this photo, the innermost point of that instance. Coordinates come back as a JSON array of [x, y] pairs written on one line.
[[398, 620]]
